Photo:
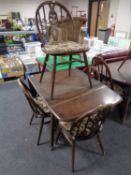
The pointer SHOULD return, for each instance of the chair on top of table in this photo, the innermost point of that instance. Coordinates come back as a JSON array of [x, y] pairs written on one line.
[[56, 31]]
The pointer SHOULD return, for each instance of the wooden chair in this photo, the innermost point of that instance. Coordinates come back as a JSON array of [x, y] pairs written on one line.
[[85, 127], [102, 68], [101, 71], [39, 108], [104, 74], [56, 31]]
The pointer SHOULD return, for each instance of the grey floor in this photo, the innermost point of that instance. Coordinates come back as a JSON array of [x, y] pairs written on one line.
[[19, 154]]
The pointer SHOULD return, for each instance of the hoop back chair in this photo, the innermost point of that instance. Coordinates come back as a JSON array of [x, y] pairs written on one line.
[[84, 128], [38, 107], [101, 71], [56, 31]]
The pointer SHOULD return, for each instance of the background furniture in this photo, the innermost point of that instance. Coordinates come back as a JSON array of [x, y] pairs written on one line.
[[123, 78], [119, 42], [98, 66], [11, 67], [103, 34], [116, 55], [6, 33]]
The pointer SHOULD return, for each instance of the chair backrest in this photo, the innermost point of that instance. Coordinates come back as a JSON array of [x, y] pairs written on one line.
[[36, 108], [89, 125], [53, 20], [102, 71], [78, 33]]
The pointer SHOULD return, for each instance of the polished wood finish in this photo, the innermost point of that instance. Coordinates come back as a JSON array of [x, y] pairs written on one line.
[[74, 99], [73, 95], [123, 77]]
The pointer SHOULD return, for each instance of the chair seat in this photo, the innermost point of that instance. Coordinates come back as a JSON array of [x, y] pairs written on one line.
[[64, 48], [41, 103], [66, 125]]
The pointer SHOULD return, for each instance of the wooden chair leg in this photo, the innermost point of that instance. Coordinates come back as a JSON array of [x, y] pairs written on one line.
[[123, 62], [127, 102], [87, 70], [100, 144], [40, 131], [52, 133], [73, 155], [53, 77], [58, 134], [44, 66], [32, 117], [70, 63]]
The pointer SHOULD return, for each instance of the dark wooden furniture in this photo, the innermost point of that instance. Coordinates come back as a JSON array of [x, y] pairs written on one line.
[[73, 98], [83, 128], [123, 62], [56, 31], [123, 77], [114, 56], [98, 67], [38, 107], [73, 95]]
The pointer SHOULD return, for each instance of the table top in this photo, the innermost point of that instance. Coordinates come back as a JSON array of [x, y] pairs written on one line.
[[73, 96], [124, 74]]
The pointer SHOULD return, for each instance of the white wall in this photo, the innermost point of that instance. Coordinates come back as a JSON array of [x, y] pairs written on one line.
[[114, 4], [119, 8], [123, 22], [82, 4], [27, 8]]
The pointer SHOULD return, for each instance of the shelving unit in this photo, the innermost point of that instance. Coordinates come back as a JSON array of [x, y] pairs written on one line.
[[6, 33], [10, 68]]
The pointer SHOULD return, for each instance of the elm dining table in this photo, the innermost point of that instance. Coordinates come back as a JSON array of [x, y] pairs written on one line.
[[73, 96], [123, 77]]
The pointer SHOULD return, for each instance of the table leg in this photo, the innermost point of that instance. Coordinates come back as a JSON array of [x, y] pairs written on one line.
[[53, 78], [125, 110], [52, 131], [123, 62], [44, 66], [70, 63], [127, 102], [32, 89]]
